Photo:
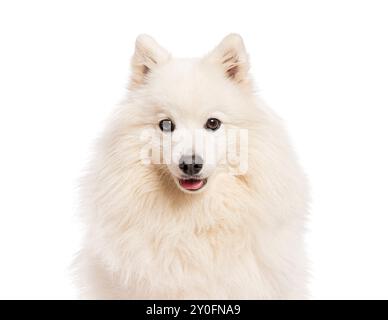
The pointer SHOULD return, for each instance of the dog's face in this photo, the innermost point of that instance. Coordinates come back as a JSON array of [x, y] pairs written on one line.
[[192, 104]]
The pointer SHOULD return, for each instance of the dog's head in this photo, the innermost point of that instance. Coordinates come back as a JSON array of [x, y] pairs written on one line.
[[196, 109]]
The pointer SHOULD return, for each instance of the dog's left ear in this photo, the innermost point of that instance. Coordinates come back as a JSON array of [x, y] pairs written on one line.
[[148, 55], [231, 55]]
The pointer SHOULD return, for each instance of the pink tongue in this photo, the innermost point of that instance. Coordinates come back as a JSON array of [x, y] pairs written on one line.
[[191, 184]]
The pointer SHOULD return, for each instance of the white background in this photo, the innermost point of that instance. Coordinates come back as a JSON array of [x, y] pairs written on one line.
[[322, 65]]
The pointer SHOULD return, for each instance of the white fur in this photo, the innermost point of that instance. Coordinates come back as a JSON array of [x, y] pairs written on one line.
[[241, 237]]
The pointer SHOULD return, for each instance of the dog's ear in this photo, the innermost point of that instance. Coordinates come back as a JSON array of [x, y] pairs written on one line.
[[231, 55], [148, 54]]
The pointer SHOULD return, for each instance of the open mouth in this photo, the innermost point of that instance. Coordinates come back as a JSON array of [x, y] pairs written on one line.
[[192, 184]]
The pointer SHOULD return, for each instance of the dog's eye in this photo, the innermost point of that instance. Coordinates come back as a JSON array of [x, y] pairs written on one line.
[[166, 125], [213, 124]]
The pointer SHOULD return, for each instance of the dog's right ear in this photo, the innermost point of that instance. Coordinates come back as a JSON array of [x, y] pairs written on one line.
[[148, 55]]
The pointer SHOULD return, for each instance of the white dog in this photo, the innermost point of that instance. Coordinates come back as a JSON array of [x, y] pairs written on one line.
[[194, 192]]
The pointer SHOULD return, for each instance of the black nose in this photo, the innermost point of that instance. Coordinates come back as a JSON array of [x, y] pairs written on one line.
[[191, 164]]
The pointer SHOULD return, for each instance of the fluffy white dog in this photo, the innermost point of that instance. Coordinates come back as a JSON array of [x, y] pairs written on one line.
[[194, 191]]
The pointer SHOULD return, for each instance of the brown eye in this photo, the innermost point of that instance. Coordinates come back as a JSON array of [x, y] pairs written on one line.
[[213, 124], [166, 125]]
